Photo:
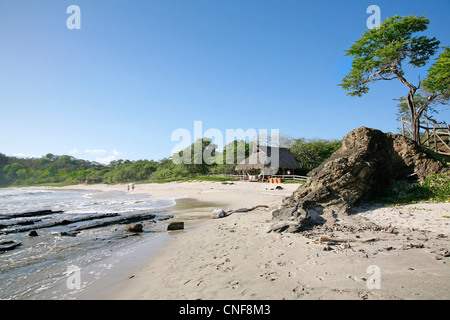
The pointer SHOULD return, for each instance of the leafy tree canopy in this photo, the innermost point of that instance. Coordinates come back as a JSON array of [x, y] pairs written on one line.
[[381, 53]]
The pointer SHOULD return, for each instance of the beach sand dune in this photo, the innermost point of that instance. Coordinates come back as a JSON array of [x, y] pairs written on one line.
[[236, 258]]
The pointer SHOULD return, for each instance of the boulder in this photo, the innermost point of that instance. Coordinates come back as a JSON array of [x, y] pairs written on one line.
[[138, 227], [218, 213], [175, 226], [33, 233], [367, 161], [69, 233]]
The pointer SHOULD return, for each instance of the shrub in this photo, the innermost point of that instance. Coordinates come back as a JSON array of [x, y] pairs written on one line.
[[438, 186]]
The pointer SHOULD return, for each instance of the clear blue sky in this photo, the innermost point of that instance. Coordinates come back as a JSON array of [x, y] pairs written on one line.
[[138, 70]]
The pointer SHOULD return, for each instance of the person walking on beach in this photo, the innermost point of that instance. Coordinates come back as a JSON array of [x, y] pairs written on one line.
[[132, 187], [128, 188]]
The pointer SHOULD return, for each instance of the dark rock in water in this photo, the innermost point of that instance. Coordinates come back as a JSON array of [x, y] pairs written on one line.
[[175, 226], [368, 160], [64, 222], [33, 233], [138, 227], [27, 222], [8, 245], [30, 214], [69, 233]]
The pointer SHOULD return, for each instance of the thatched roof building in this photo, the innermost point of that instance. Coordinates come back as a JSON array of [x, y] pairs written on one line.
[[269, 160]]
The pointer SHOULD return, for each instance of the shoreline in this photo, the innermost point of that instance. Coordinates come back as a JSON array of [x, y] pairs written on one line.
[[234, 258], [124, 267], [194, 204]]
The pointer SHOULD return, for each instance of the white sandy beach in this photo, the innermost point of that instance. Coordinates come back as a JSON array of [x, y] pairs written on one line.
[[235, 258]]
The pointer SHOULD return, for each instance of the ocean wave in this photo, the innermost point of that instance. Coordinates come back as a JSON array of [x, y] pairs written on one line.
[[33, 270], [14, 193]]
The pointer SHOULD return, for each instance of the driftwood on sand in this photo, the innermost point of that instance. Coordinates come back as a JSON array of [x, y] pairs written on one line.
[[324, 238], [219, 213]]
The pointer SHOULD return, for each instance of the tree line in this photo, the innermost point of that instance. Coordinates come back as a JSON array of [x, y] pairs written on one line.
[[64, 169]]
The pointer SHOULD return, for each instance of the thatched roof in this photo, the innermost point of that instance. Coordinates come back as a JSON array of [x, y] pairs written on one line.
[[266, 157]]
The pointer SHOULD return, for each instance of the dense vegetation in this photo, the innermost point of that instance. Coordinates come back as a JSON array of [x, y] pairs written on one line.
[[436, 187], [65, 170], [54, 169]]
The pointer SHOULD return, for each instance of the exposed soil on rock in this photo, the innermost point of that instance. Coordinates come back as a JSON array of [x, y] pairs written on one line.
[[368, 160]]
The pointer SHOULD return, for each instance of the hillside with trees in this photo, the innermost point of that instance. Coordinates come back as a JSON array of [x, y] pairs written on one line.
[[66, 170]]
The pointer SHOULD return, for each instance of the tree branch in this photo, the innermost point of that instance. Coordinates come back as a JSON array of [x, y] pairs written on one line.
[[373, 76], [412, 88], [388, 78]]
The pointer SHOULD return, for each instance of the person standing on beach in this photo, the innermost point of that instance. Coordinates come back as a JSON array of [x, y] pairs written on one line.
[[132, 187], [128, 188]]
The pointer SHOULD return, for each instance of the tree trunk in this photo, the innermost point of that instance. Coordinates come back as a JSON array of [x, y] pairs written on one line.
[[415, 128], [415, 116]]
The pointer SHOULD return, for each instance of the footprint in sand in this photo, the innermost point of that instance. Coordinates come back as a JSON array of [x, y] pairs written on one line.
[[234, 284], [271, 276], [352, 277], [225, 268]]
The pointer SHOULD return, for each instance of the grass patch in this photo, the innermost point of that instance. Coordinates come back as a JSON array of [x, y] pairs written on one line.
[[210, 178], [294, 181], [165, 180], [435, 188], [192, 179]]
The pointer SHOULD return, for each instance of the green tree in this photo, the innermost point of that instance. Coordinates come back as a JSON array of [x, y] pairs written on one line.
[[311, 153], [50, 157], [436, 85], [147, 169], [198, 157], [437, 82], [233, 153], [3, 160], [381, 54], [10, 171]]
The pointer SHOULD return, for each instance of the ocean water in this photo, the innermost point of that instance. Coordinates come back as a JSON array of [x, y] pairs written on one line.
[[54, 265]]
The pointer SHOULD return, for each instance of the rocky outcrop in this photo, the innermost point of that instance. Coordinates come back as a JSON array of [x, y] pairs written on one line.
[[8, 245], [368, 160]]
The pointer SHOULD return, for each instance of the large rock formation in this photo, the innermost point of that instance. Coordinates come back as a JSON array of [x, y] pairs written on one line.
[[368, 160]]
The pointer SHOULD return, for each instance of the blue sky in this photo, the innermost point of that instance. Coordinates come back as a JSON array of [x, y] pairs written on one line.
[[138, 70]]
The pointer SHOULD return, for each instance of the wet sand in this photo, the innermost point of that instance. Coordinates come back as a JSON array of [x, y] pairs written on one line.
[[191, 211]]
